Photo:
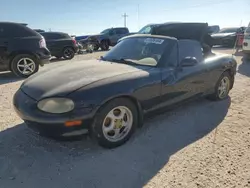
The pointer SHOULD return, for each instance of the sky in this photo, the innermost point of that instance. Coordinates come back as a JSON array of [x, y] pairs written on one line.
[[80, 17]]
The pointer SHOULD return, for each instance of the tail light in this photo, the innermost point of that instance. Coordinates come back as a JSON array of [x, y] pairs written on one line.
[[42, 43], [74, 42]]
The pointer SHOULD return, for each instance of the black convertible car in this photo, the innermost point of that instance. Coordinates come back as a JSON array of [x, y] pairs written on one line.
[[108, 97]]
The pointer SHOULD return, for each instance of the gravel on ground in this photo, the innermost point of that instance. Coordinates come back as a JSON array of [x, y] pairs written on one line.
[[201, 144]]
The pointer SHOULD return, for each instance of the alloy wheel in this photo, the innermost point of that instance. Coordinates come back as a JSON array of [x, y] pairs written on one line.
[[224, 87], [117, 124], [26, 66], [68, 53]]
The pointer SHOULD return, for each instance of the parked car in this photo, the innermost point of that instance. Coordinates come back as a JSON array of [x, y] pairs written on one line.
[[60, 44], [110, 96], [39, 30], [227, 36], [182, 30], [213, 29], [246, 41], [105, 39], [22, 50]]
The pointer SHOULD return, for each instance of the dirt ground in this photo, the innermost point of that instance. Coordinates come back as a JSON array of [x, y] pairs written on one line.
[[199, 144]]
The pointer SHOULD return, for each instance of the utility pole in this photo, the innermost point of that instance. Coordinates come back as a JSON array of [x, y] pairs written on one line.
[[125, 19], [138, 16]]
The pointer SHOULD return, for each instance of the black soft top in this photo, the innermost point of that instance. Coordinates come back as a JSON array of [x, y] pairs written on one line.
[[179, 30]]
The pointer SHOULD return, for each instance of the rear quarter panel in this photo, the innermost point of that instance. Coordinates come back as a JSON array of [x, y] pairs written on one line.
[[24, 43], [29, 45], [217, 65], [60, 44]]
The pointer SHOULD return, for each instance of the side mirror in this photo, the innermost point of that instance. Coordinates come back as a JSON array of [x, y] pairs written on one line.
[[188, 62]]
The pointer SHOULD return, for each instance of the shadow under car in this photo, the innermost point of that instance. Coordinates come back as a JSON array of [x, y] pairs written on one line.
[[28, 160]]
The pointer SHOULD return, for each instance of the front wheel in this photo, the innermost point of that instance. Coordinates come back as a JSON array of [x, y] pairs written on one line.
[[24, 65], [222, 87], [114, 123], [68, 53]]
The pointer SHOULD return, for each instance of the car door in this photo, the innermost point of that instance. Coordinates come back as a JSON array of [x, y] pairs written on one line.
[[51, 42], [121, 32], [4, 41], [182, 83], [112, 37]]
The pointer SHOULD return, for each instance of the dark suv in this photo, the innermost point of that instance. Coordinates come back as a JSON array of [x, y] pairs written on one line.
[[22, 50], [60, 44], [106, 38]]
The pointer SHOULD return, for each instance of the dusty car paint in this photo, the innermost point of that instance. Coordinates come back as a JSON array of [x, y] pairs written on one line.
[[93, 83]]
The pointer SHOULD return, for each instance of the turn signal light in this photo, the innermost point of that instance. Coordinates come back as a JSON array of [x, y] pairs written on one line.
[[73, 123]]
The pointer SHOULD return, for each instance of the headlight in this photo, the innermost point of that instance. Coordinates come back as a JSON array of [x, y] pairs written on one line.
[[56, 105]]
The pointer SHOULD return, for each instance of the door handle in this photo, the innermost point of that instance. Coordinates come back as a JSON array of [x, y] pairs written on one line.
[[169, 80], [198, 82], [5, 43]]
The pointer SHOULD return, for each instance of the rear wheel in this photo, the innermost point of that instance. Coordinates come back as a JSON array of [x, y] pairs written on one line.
[[68, 53], [222, 87], [96, 47], [104, 45], [115, 122], [24, 65]]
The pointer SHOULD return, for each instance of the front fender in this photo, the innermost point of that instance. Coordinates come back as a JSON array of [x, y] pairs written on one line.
[[142, 88]]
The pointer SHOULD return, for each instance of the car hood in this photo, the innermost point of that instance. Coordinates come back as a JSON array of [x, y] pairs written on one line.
[[65, 79], [222, 35]]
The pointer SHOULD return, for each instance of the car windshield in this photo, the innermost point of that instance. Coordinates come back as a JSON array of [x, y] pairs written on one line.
[[146, 30], [138, 50], [228, 30], [106, 31]]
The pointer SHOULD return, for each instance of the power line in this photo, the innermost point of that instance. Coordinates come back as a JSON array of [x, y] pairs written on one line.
[[125, 19]]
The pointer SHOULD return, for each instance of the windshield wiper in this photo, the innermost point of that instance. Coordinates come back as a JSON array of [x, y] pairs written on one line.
[[125, 61]]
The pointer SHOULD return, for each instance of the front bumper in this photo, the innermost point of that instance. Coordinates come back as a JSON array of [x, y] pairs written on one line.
[[86, 42], [47, 124], [76, 48]]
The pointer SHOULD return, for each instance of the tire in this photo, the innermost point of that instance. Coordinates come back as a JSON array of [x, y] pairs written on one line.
[[216, 96], [90, 48], [96, 48], [104, 45], [106, 138], [68, 53], [24, 65], [246, 56]]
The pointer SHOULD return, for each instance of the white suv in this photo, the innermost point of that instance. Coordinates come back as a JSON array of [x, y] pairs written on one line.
[[246, 42]]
